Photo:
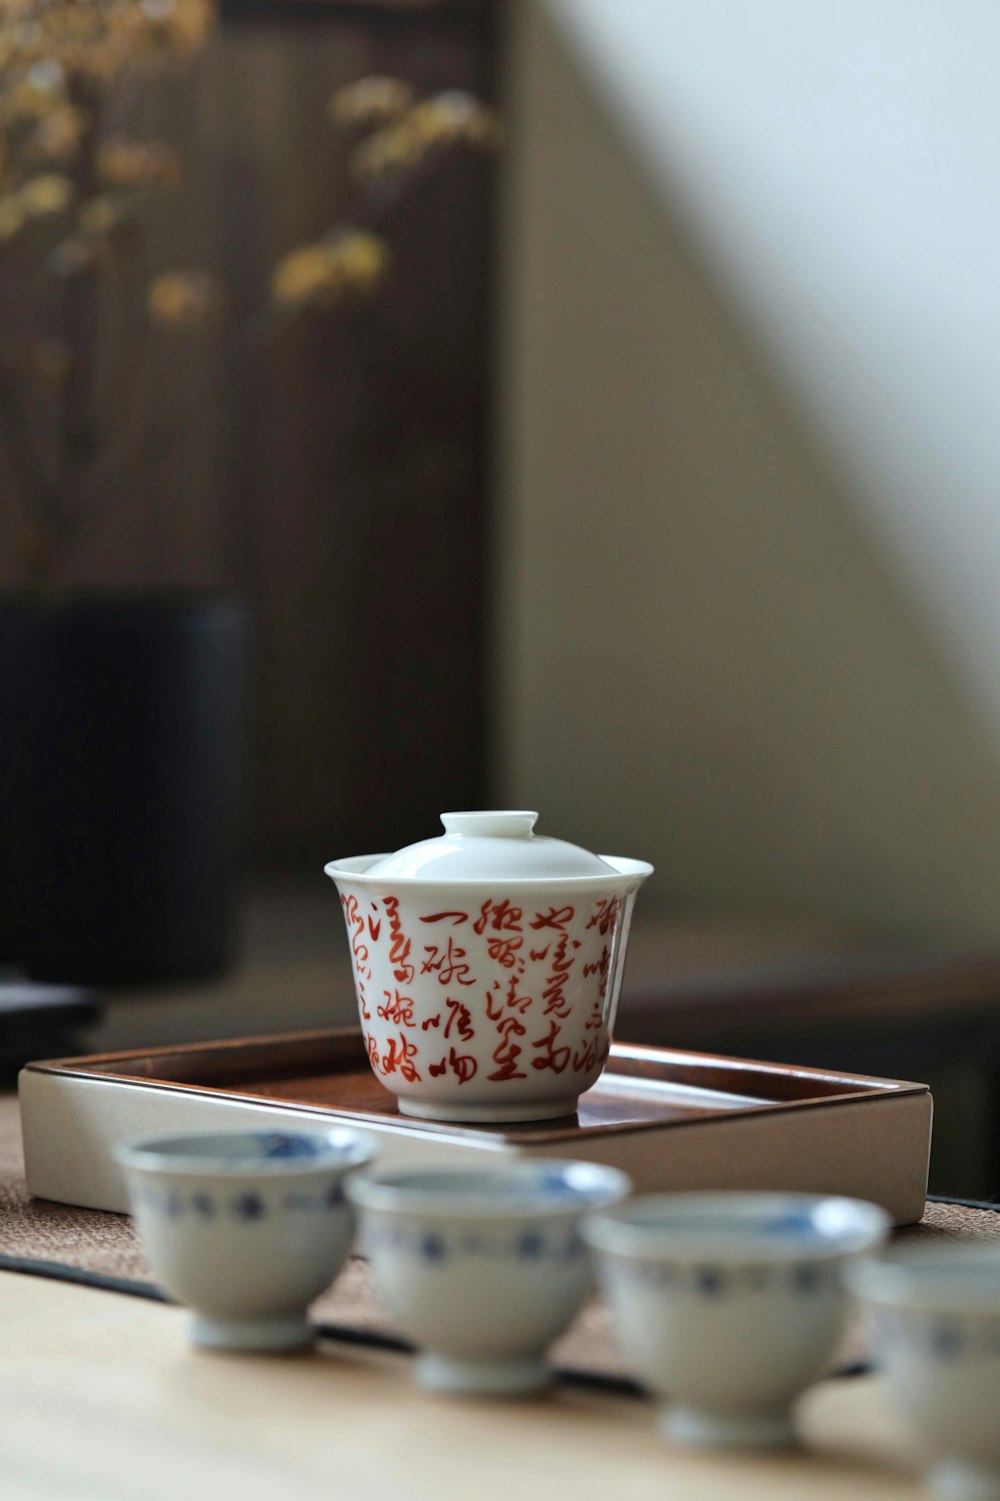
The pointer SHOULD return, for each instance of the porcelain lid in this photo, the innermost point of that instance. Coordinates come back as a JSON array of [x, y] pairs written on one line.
[[497, 845]]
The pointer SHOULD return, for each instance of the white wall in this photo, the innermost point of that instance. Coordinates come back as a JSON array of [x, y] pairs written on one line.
[[704, 655]]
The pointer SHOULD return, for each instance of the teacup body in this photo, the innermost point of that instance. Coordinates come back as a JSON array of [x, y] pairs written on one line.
[[482, 1267], [489, 1005], [731, 1304], [246, 1228], [936, 1318]]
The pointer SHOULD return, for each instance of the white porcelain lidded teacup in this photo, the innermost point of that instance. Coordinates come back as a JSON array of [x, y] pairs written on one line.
[[246, 1228], [730, 1304], [488, 964], [936, 1316], [483, 1266]]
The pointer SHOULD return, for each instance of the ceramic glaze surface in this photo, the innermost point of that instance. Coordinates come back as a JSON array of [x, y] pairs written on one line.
[[732, 1304], [936, 1320], [245, 1228], [486, 996], [482, 1285]]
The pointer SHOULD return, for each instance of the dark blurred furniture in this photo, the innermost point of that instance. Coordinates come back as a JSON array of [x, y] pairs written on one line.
[[931, 1017], [121, 804]]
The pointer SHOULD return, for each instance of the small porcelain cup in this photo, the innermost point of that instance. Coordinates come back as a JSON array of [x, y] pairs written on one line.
[[936, 1317], [730, 1303], [245, 1227], [482, 1267]]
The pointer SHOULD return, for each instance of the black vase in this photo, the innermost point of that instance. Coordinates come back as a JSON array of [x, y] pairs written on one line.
[[121, 737]]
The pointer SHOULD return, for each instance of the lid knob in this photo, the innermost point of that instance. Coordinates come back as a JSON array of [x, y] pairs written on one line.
[[506, 824]]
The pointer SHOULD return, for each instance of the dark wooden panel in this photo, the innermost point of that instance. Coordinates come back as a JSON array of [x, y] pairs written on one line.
[[337, 482]]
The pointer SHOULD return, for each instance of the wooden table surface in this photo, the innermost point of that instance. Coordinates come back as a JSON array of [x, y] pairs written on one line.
[[101, 1397]]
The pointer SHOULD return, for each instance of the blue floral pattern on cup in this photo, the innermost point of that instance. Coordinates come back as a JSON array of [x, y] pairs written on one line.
[[946, 1338], [437, 1247], [713, 1282], [248, 1207]]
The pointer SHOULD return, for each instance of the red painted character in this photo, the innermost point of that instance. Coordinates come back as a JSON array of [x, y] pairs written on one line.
[[462, 1065], [398, 1008], [447, 965], [555, 917], [507, 1052], [401, 1058], [399, 947], [459, 1017], [500, 916], [605, 914], [554, 1058], [504, 950]]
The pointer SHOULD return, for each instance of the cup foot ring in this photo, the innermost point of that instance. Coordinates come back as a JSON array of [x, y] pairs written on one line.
[[499, 1378], [251, 1334], [696, 1429], [487, 1115]]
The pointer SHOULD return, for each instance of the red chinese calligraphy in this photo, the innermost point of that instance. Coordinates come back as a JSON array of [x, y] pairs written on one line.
[[398, 1009], [596, 1018], [554, 994], [399, 947], [555, 917], [355, 932], [605, 914], [459, 1017], [507, 1052], [587, 1058], [553, 1058], [462, 1065], [600, 966], [457, 918], [398, 1057], [504, 950], [448, 964], [514, 1001], [500, 916]]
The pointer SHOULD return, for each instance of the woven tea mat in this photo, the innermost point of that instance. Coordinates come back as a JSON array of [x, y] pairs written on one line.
[[87, 1245]]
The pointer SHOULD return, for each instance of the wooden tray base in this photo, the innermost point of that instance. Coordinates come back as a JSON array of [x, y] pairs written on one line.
[[671, 1120]]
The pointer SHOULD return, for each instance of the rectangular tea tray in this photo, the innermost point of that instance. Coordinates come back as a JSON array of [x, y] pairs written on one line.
[[671, 1120]]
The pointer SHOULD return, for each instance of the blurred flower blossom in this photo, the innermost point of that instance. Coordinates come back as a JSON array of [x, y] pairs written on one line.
[[46, 194], [99, 217], [56, 137], [351, 263], [138, 164], [184, 299], [444, 119], [72, 187], [370, 101], [42, 42]]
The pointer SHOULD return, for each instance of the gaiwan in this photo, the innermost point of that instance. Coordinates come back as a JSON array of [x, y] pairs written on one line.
[[488, 964]]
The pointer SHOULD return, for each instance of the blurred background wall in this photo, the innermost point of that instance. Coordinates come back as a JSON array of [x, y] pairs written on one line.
[[704, 653]]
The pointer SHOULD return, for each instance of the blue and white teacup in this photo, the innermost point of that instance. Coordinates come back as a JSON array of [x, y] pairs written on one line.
[[935, 1312], [483, 1266], [246, 1228], [730, 1304]]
